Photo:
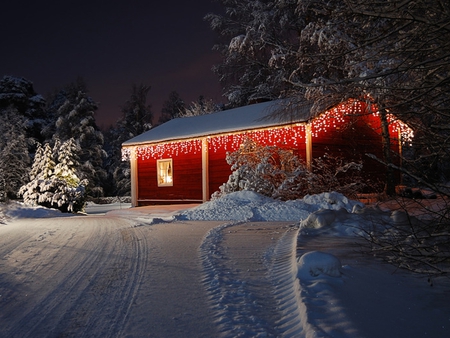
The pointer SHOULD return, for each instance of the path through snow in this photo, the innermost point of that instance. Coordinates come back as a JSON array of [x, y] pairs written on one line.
[[107, 276]]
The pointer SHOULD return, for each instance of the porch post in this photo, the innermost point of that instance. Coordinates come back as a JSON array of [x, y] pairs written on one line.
[[205, 170], [134, 177], [308, 142]]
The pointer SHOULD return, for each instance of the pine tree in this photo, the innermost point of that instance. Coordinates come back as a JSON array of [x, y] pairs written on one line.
[[14, 153], [76, 120], [67, 163], [19, 94], [137, 115], [55, 184], [43, 163]]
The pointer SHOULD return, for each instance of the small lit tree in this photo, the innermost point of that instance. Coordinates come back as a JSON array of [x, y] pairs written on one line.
[[53, 180]]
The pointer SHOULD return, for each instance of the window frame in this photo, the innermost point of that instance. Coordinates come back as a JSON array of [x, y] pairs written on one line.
[[163, 179]]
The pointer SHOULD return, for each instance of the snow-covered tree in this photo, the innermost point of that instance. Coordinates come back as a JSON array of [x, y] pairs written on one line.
[[19, 94], [76, 120], [14, 153], [200, 107], [394, 54], [53, 179], [67, 163], [255, 40], [43, 163], [22, 118], [255, 168]]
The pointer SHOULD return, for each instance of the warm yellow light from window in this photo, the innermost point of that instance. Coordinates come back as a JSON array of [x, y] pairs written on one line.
[[165, 172]]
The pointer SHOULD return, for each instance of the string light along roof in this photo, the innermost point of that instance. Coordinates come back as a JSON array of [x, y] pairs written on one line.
[[254, 116]]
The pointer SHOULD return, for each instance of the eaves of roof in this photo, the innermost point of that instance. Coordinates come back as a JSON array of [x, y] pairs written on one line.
[[255, 116]]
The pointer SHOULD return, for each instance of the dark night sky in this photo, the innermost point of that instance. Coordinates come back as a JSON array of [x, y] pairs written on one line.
[[111, 45]]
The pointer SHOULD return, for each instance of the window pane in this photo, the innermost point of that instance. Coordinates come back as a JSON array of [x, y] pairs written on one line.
[[165, 172]]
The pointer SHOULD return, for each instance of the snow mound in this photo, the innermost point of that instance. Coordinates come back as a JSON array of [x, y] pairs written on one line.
[[251, 206], [323, 218], [315, 263], [246, 196], [332, 200], [344, 223], [400, 217], [18, 210]]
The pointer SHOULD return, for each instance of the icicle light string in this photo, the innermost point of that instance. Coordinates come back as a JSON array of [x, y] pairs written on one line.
[[279, 136], [169, 149], [396, 126], [292, 135], [228, 142]]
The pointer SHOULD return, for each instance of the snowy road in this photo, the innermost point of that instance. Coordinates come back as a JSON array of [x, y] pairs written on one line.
[[99, 276]]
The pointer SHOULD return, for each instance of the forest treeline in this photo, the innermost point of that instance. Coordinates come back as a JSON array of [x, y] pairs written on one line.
[[30, 121]]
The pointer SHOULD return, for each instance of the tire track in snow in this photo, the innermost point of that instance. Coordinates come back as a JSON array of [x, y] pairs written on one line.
[[22, 265], [91, 284], [283, 274], [11, 239], [106, 301], [249, 299], [50, 306], [136, 277]]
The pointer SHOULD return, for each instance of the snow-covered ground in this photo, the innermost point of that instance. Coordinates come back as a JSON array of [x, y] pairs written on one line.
[[241, 266]]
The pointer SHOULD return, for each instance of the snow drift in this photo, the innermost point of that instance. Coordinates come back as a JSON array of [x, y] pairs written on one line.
[[251, 206]]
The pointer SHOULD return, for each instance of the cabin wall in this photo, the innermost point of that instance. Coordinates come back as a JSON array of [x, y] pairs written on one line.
[[219, 169], [187, 179]]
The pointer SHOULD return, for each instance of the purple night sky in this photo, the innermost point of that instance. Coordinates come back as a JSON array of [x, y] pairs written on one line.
[[112, 45]]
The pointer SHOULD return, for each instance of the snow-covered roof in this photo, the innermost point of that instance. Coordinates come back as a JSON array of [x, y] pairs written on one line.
[[253, 116]]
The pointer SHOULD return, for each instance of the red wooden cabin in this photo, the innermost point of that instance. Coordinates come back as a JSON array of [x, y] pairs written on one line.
[[183, 160]]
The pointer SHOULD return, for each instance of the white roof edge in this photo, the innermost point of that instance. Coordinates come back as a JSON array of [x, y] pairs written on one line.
[[251, 117], [180, 139]]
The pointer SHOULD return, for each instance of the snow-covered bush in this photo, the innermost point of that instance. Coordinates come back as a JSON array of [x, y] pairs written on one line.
[[257, 168], [53, 180], [278, 173]]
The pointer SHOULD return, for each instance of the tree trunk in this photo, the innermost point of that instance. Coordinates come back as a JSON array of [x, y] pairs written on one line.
[[386, 141]]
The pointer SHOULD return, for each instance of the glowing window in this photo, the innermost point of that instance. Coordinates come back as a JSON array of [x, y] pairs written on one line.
[[164, 169]]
